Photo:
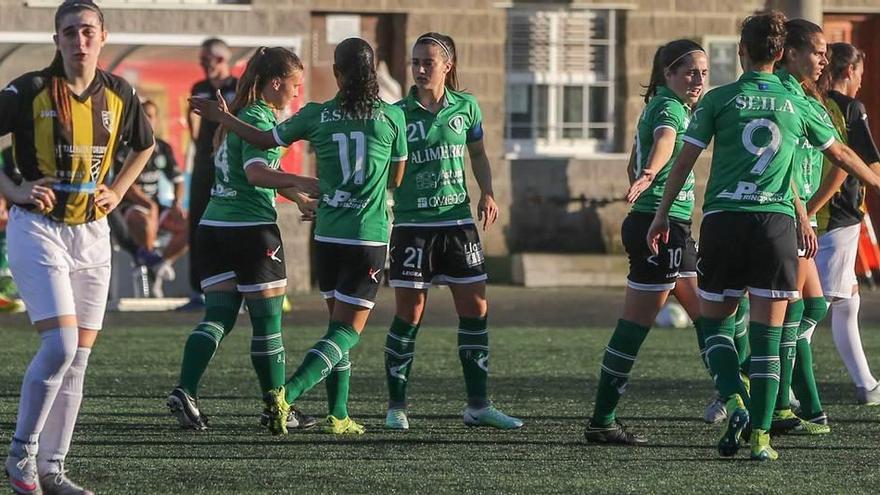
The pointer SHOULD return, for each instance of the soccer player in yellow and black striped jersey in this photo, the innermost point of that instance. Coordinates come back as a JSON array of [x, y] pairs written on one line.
[[66, 121]]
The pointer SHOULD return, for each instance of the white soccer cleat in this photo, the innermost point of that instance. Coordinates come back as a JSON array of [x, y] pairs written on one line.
[[867, 397], [396, 419], [21, 470], [490, 416], [716, 410], [56, 482]]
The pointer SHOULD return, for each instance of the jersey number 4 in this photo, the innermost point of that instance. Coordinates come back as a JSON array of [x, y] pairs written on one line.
[[360, 152]]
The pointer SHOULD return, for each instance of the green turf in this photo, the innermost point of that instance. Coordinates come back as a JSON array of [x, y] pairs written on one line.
[[126, 442]]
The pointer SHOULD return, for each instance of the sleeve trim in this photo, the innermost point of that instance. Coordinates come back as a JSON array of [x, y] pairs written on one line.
[[255, 161], [398, 158], [178, 179], [665, 126], [827, 144], [696, 142], [278, 139]]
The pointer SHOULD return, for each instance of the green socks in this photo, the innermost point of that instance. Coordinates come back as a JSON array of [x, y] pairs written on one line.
[[221, 311], [741, 331], [764, 373], [620, 355], [803, 381], [473, 351], [267, 347], [722, 356], [337, 388], [321, 358], [701, 343], [787, 344], [400, 347]]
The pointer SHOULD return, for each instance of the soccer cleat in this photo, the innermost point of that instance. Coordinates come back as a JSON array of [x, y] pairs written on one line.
[[147, 257], [867, 397], [746, 382], [56, 482], [809, 428], [21, 470], [819, 419], [615, 433], [396, 419], [490, 416], [737, 420], [277, 411], [286, 305], [296, 419], [10, 305], [345, 426], [761, 449], [186, 409], [784, 421], [716, 410], [793, 400]]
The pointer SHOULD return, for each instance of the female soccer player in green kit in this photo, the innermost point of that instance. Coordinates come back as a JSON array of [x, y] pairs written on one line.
[[434, 240], [749, 197], [360, 144], [677, 78], [239, 249]]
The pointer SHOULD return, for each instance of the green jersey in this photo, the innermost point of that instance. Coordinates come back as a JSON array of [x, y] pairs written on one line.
[[234, 201], [667, 110], [433, 191], [757, 123], [353, 157]]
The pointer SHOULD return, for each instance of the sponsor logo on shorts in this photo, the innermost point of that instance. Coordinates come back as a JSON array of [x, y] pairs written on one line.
[[473, 254], [374, 274], [272, 254]]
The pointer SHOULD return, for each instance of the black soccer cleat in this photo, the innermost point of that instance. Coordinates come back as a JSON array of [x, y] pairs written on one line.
[[186, 409], [614, 434], [296, 419]]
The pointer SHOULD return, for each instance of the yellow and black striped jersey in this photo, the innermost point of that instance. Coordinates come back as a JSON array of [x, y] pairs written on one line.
[[79, 155]]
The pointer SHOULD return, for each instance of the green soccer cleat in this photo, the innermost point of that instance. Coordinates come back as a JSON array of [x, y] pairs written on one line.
[[277, 410], [614, 434], [737, 420], [761, 449], [345, 426], [490, 416], [396, 419], [784, 421]]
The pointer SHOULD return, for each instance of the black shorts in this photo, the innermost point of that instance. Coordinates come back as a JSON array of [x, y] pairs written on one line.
[[657, 272], [742, 251], [349, 273], [253, 256], [422, 256]]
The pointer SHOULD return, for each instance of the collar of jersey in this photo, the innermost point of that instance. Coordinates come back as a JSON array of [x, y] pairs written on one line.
[[756, 75], [96, 84], [412, 99], [790, 82], [668, 93]]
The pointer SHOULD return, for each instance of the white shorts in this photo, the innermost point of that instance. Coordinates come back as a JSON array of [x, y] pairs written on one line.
[[60, 269], [836, 260]]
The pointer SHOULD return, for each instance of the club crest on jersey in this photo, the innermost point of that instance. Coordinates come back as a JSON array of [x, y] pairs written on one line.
[[457, 124], [107, 120]]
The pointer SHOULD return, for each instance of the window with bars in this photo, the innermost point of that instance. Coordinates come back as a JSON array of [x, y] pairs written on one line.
[[560, 81], [723, 52]]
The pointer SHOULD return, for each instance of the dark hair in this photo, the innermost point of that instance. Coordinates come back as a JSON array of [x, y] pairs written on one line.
[[669, 56], [356, 64], [799, 36], [840, 57], [150, 103], [763, 35], [447, 48], [58, 90], [216, 44], [267, 63]]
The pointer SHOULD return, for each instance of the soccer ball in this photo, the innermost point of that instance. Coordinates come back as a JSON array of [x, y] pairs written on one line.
[[672, 315]]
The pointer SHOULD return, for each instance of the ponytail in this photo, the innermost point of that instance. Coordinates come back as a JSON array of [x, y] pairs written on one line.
[[447, 49], [668, 57], [267, 63], [59, 92], [840, 57], [355, 63]]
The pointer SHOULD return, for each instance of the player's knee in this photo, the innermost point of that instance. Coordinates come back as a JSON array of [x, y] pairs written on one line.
[[57, 350]]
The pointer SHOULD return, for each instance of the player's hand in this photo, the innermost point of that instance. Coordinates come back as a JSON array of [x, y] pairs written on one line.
[[177, 211], [639, 186], [810, 240], [487, 210], [658, 233], [106, 199], [209, 109], [38, 193], [308, 208], [307, 185]]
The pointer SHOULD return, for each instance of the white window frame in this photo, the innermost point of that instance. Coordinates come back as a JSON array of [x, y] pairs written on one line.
[[155, 4], [708, 41], [554, 144]]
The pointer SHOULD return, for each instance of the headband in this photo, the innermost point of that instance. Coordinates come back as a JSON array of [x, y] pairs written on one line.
[[685, 54], [435, 40]]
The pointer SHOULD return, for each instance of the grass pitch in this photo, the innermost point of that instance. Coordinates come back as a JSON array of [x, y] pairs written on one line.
[[127, 443]]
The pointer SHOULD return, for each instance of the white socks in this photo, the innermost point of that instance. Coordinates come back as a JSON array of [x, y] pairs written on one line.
[[845, 330], [58, 431], [42, 380]]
